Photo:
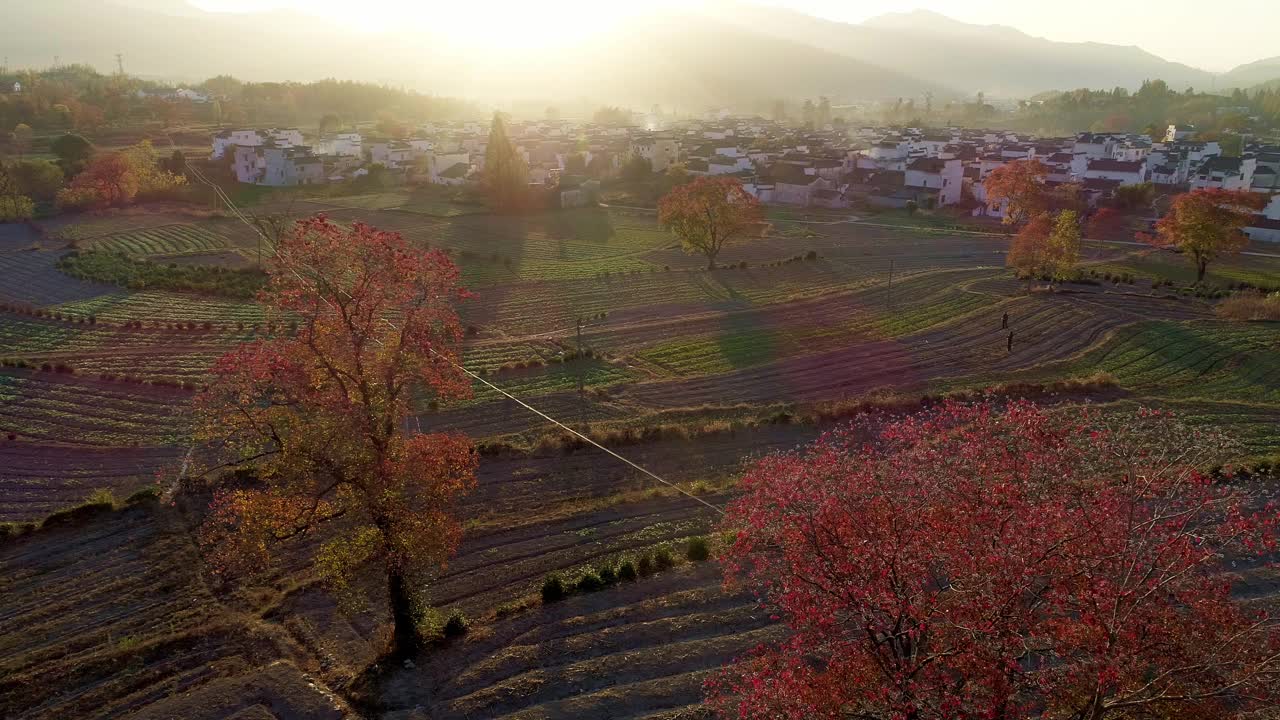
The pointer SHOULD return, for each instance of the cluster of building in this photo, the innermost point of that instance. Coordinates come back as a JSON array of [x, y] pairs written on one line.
[[888, 167]]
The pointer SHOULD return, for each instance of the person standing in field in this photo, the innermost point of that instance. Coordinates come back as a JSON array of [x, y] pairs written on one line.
[[1010, 341], [1004, 324]]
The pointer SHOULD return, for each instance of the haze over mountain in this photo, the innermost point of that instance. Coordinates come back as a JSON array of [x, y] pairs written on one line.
[[721, 54], [998, 60]]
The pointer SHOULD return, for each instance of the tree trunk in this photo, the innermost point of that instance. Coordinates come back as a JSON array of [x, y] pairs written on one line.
[[1201, 265], [711, 261], [404, 639]]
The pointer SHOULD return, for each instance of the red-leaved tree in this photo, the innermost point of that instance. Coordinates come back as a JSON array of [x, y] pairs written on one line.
[[974, 561], [1020, 186], [319, 414]]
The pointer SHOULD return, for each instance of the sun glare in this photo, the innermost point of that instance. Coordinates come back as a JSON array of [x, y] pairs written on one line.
[[514, 25]]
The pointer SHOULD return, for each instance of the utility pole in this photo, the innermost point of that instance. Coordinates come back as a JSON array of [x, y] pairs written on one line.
[[120, 63], [889, 300], [582, 399]]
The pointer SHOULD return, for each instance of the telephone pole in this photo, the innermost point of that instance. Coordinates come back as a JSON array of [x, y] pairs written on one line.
[[889, 299], [120, 64], [582, 399]]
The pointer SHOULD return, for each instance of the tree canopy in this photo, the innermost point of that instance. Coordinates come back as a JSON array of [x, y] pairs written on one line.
[[506, 175], [1019, 185], [1206, 224], [983, 561], [319, 414], [708, 213]]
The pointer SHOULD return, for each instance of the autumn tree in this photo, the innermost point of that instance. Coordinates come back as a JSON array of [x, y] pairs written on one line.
[[118, 178], [1020, 186], [1105, 222], [14, 205], [976, 561], [708, 213], [1028, 252], [1064, 245], [319, 414], [106, 181], [1206, 224], [506, 175]]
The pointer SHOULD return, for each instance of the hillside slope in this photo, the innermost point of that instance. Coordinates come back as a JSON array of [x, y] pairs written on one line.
[[998, 60]]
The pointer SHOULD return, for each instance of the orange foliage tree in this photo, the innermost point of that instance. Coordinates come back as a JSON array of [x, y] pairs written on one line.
[[1020, 184], [1206, 224], [708, 213], [1029, 250], [319, 414], [107, 181], [115, 179]]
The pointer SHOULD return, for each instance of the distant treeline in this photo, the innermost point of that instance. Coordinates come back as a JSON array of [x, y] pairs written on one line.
[[79, 98]]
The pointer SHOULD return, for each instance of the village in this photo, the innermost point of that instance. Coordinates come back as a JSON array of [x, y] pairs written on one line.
[[831, 168]]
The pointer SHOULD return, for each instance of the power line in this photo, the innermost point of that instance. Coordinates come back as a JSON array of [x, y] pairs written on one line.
[[472, 374]]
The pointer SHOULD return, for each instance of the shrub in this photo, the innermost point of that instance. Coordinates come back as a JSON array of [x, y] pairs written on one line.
[[662, 560], [553, 589], [9, 530], [697, 550], [627, 571], [457, 625], [607, 574], [589, 582], [1250, 307], [98, 503], [147, 494], [644, 566]]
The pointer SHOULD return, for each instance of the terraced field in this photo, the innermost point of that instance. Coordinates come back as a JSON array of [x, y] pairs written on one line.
[[163, 240], [153, 636]]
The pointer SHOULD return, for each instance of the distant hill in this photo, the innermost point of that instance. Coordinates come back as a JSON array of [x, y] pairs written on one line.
[[998, 60], [1261, 72], [730, 54], [690, 61]]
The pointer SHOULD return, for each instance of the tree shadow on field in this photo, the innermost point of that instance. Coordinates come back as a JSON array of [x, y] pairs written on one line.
[[743, 341], [584, 225]]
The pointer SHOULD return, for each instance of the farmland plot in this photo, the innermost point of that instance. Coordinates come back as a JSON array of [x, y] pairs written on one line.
[[32, 277], [56, 408]]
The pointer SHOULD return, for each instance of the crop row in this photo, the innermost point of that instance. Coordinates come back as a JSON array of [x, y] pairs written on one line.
[[1196, 360], [70, 409], [160, 307], [163, 240]]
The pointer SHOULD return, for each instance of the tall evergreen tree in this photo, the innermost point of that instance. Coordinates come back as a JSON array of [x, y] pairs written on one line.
[[506, 176]]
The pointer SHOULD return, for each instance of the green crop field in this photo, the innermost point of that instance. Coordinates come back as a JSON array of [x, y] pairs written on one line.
[[1166, 265]]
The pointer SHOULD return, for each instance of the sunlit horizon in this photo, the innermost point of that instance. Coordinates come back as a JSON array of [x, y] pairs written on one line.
[[1235, 33]]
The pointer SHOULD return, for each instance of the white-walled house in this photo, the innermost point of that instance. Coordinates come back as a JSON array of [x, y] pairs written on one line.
[[343, 144], [439, 163], [277, 166], [1126, 172], [1093, 146], [1226, 173], [1179, 132], [945, 176], [281, 137]]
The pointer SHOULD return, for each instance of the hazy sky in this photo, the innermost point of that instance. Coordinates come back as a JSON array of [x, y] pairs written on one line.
[[1211, 35]]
